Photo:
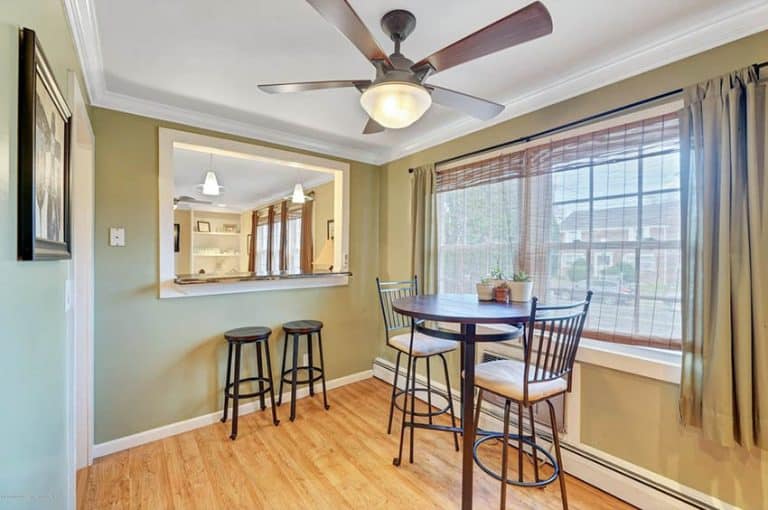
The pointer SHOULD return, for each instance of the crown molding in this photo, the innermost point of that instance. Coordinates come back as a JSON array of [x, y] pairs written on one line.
[[731, 26]]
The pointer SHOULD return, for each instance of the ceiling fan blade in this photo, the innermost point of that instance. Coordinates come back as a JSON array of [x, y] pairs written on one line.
[[471, 105], [372, 127], [528, 23], [277, 88], [341, 15]]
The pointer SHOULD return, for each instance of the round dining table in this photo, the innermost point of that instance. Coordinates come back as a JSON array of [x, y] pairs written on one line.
[[466, 311]]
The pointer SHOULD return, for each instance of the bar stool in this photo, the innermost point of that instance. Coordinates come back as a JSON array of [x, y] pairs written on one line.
[[296, 329], [237, 338]]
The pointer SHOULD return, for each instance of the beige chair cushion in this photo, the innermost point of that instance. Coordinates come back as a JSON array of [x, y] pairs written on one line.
[[505, 377], [423, 345]]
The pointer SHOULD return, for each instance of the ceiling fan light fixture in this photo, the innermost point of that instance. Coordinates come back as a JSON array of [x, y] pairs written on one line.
[[211, 185], [396, 104], [298, 194]]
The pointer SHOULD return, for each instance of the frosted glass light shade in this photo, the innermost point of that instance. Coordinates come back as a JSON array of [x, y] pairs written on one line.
[[397, 104], [211, 184], [298, 194]]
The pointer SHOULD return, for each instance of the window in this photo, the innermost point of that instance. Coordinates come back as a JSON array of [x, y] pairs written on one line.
[[598, 209]]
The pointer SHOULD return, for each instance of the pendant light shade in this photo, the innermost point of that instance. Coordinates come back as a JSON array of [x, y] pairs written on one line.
[[211, 185], [395, 104], [298, 194]]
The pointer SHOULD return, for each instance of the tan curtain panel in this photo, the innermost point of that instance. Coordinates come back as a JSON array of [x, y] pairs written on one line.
[[724, 387], [252, 245], [597, 210], [306, 250], [270, 235], [424, 228], [283, 255]]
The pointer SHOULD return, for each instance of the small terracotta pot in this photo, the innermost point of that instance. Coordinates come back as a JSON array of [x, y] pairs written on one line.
[[501, 294]]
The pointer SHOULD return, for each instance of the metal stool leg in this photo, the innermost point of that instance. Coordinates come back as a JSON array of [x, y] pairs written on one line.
[[322, 370], [504, 456], [556, 439], [535, 451], [271, 383], [394, 393], [429, 389], [396, 461], [294, 375], [282, 368], [520, 441], [450, 402], [260, 373], [236, 393], [477, 409], [311, 367], [413, 413], [227, 382]]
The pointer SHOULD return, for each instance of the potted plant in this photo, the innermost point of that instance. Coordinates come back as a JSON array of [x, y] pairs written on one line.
[[501, 293], [520, 287], [485, 290], [496, 276]]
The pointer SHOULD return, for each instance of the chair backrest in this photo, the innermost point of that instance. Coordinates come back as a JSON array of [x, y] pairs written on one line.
[[389, 292], [553, 336]]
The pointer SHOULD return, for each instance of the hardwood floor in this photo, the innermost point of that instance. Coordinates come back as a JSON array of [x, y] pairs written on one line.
[[341, 458]]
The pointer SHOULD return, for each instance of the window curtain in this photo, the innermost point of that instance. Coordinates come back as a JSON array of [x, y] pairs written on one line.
[[270, 235], [424, 228], [252, 246], [724, 386], [283, 255], [306, 251]]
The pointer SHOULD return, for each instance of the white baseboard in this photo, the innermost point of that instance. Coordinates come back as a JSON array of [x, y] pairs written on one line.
[[622, 479], [172, 429]]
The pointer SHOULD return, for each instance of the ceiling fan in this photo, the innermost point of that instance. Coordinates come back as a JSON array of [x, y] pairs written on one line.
[[186, 199], [399, 96]]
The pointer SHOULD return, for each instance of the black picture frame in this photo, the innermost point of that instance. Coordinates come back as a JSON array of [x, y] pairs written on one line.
[[329, 230], [205, 229], [176, 235], [44, 184]]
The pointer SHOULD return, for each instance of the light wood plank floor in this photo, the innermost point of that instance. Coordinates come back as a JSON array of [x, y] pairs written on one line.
[[337, 459]]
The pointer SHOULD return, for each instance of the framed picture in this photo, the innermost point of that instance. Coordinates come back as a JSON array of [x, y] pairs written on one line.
[[176, 233], [203, 226], [44, 174], [230, 228], [329, 234]]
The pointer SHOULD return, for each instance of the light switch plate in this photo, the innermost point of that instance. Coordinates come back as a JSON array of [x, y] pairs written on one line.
[[116, 236]]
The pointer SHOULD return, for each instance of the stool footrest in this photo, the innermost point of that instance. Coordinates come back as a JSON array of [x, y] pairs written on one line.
[[286, 375], [527, 441], [229, 390]]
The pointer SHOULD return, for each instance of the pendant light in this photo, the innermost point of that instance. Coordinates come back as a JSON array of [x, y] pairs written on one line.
[[211, 184], [298, 194]]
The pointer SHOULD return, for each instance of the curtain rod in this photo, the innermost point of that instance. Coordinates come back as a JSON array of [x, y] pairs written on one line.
[[569, 125]]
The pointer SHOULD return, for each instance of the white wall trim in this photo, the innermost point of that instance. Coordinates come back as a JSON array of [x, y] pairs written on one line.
[[622, 479], [172, 429], [739, 23]]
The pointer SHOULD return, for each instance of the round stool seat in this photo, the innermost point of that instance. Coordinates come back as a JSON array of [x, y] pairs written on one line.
[[302, 327], [248, 334]]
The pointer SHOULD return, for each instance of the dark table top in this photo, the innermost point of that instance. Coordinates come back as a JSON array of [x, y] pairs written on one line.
[[461, 308]]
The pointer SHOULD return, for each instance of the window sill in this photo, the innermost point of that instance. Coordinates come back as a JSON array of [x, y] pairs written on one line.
[[174, 290]]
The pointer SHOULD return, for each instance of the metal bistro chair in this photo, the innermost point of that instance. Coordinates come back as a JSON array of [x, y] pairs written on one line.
[[552, 339], [421, 347]]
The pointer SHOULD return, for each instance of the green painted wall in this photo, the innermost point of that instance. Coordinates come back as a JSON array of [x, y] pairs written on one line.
[[625, 415], [161, 361], [33, 344]]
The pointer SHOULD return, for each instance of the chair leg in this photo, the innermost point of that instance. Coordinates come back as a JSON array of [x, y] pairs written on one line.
[[556, 439], [520, 441], [413, 410], [294, 375], [450, 403], [505, 455], [322, 370], [260, 372], [275, 421], [311, 363], [396, 461], [477, 409], [282, 369], [533, 439], [236, 393], [429, 388], [394, 393], [227, 382]]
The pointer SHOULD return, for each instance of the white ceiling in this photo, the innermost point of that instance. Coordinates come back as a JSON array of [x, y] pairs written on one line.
[[247, 183], [198, 62]]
